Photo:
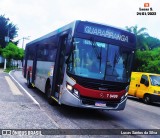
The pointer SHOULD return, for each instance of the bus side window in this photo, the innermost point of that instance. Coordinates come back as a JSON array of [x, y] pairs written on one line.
[[31, 54], [39, 54], [51, 53]]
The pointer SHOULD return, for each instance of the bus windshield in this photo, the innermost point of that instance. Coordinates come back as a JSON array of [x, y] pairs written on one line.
[[155, 80], [97, 60]]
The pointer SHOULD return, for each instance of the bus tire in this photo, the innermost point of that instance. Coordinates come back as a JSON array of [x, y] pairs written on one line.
[[48, 94], [147, 99], [29, 85]]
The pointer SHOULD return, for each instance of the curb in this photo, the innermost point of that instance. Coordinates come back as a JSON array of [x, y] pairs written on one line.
[[34, 100]]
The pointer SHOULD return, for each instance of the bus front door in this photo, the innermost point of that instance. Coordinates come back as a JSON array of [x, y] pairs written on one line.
[[59, 68]]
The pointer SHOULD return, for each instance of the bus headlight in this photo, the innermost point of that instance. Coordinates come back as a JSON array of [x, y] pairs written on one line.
[[125, 95], [72, 90], [69, 87]]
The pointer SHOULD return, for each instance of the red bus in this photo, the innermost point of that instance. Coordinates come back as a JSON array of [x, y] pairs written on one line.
[[82, 64]]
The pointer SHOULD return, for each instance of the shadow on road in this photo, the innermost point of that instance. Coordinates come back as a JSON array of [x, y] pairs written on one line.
[[141, 101], [75, 112]]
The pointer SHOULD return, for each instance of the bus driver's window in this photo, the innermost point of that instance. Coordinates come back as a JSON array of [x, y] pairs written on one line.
[[88, 61], [76, 58]]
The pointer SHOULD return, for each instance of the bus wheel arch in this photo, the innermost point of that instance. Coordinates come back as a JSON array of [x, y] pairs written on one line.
[[147, 98]]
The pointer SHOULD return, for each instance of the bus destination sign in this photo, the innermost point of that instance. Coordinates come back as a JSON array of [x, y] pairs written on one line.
[[108, 33]]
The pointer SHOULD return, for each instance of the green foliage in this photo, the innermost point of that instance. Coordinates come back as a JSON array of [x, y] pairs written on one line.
[[147, 57], [152, 42], [20, 54], [6, 29], [147, 61], [141, 36], [7, 70], [11, 51]]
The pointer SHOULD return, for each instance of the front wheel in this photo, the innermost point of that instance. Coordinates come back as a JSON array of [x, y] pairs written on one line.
[[147, 99], [48, 94]]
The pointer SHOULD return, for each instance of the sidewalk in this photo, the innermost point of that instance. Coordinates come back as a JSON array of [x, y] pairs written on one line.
[[1, 70], [17, 110]]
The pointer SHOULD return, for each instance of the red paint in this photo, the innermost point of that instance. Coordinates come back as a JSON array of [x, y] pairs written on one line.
[[98, 93]]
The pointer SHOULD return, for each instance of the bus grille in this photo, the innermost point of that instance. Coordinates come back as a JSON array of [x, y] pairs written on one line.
[[101, 86], [90, 101]]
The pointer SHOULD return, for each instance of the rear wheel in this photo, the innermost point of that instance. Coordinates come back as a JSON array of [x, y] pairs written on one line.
[[147, 99], [29, 85]]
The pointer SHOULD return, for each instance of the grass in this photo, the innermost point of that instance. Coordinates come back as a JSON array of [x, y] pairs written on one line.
[[7, 70]]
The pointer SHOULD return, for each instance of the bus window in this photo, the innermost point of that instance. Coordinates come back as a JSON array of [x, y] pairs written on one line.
[[31, 53], [43, 53], [52, 50]]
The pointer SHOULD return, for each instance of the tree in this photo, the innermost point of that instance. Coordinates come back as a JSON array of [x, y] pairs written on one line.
[[6, 29], [19, 55], [151, 62], [147, 58], [141, 36], [152, 42], [0, 49], [11, 51]]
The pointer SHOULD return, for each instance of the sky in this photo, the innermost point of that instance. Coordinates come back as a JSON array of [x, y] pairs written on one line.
[[35, 18]]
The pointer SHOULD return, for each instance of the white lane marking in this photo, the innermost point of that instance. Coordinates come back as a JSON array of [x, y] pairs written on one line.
[[34, 100], [155, 127], [12, 86]]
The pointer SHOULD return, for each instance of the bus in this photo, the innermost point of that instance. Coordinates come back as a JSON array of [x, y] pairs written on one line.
[[83, 64]]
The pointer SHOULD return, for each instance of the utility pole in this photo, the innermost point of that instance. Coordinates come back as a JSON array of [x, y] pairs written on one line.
[[24, 38], [7, 41]]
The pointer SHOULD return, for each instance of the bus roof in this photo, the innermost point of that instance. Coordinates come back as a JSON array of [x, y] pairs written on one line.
[[66, 27], [96, 29]]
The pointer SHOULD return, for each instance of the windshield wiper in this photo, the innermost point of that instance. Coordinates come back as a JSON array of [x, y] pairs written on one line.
[[97, 53]]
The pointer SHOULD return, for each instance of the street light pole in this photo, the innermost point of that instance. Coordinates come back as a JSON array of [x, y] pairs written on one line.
[[24, 38], [6, 40]]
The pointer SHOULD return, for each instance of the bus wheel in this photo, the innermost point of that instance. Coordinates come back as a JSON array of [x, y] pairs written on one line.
[[147, 99], [29, 85], [48, 94]]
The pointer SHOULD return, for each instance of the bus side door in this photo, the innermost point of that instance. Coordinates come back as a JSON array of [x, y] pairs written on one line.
[[59, 65]]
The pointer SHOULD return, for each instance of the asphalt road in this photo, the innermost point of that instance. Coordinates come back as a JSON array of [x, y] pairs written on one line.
[[136, 115]]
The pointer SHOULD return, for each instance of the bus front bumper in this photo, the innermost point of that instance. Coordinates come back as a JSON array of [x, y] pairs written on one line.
[[68, 98]]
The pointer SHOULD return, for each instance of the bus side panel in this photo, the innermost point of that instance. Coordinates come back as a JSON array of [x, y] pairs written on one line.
[[44, 70], [29, 59], [29, 68]]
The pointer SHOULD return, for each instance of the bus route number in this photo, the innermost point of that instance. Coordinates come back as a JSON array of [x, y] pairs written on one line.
[[112, 96]]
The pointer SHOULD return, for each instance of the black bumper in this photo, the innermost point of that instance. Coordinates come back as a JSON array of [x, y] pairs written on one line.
[[155, 98]]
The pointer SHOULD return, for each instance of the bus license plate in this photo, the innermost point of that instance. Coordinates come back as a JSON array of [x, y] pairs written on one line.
[[102, 104]]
